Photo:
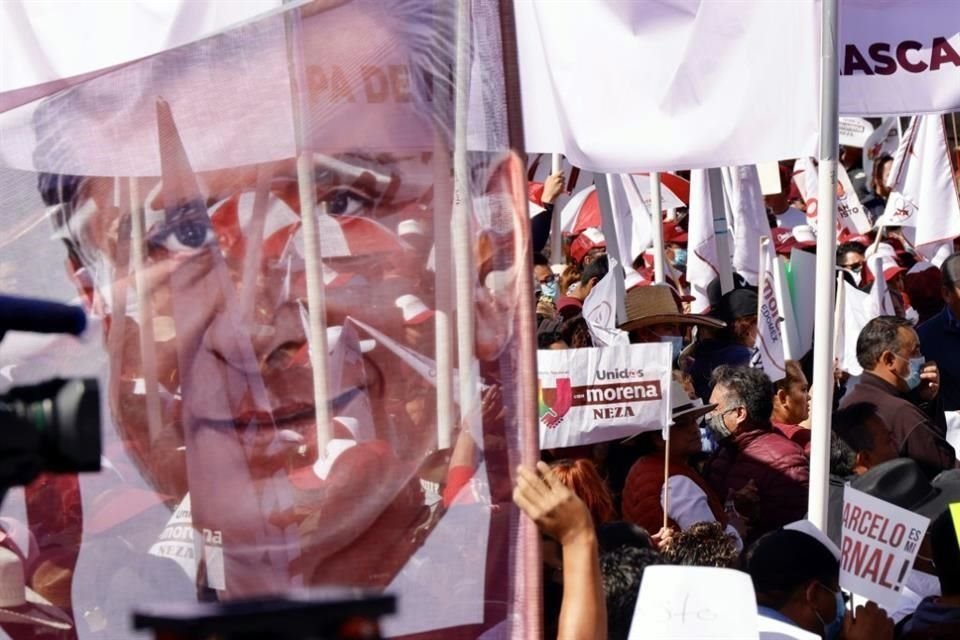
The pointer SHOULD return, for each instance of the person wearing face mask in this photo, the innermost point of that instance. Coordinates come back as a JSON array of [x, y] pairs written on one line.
[[691, 500], [654, 314], [851, 258], [751, 454], [905, 388], [796, 576]]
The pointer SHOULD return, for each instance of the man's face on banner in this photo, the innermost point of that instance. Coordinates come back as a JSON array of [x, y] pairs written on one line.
[[211, 381]]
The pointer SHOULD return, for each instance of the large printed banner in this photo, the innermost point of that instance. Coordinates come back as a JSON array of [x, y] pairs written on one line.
[[879, 544], [601, 394], [667, 69]]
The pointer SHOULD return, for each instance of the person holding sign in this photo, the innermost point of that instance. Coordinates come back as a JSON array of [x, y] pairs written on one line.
[[796, 575], [905, 387], [686, 496]]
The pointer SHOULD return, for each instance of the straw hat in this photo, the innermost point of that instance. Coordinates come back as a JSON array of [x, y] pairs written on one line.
[[20, 604], [658, 304]]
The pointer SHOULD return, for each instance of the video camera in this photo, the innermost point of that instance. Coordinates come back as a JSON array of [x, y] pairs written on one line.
[[52, 426]]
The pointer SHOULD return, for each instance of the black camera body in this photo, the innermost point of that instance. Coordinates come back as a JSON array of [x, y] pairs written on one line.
[[53, 426]]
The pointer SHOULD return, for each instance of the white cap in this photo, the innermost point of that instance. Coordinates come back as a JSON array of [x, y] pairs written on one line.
[[807, 527], [333, 336], [413, 309], [804, 233], [411, 227]]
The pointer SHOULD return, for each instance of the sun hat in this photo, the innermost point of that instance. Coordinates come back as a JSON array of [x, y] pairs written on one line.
[[21, 605], [658, 304]]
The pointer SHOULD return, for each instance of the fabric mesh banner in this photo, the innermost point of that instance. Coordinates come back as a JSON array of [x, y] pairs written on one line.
[[291, 264]]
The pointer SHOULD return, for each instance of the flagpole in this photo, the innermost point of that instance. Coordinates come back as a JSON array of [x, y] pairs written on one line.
[[656, 214], [462, 248], [822, 403], [307, 190], [721, 232], [556, 238], [148, 351], [666, 478]]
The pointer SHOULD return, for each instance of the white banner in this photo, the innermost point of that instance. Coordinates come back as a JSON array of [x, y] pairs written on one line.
[[664, 76], [924, 191], [899, 56], [601, 394], [672, 66], [770, 335], [879, 544]]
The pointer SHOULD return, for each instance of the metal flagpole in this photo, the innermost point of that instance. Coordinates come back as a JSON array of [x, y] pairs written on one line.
[[656, 219], [556, 240], [822, 404]]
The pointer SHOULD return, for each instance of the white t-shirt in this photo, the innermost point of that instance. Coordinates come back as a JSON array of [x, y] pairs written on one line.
[[688, 506]]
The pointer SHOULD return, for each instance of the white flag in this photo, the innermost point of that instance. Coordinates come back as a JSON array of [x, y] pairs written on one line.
[[570, 213], [600, 311], [924, 193], [857, 312], [769, 323], [884, 139], [633, 222], [702, 245], [880, 302], [851, 215], [749, 217]]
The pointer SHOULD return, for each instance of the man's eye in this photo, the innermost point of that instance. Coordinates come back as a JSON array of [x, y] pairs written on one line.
[[188, 228], [343, 201]]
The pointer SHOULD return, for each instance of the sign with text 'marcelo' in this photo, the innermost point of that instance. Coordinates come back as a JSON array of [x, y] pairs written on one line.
[[879, 544], [601, 394]]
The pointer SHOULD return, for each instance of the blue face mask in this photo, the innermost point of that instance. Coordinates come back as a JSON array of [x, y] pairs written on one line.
[[916, 364], [551, 289], [832, 630], [679, 257], [677, 344]]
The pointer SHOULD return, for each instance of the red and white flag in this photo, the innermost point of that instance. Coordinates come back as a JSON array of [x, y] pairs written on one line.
[[851, 216], [770, 335], [924, 193]]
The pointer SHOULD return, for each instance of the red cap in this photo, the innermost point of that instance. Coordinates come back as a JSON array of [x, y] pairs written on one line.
[[590, 238], [672, 232]]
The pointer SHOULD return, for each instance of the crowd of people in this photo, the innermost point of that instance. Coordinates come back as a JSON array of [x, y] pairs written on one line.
[[730, 488]]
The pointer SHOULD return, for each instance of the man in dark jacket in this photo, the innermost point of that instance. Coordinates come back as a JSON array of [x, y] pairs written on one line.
[[940, 335], [750, 450], [905, 388]]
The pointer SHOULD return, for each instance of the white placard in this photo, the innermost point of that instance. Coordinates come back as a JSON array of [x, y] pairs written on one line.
[[878, 546], [854, 132], [602, 394], [691, 603], [769, 178]]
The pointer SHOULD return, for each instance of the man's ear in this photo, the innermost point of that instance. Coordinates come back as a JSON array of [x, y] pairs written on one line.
[[863, 460], [886, 358]]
